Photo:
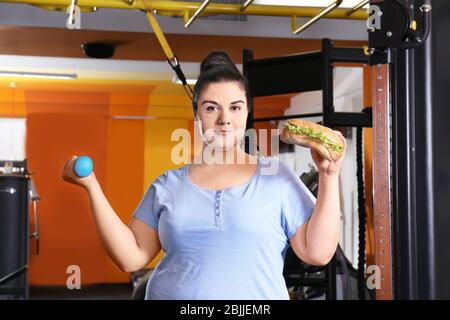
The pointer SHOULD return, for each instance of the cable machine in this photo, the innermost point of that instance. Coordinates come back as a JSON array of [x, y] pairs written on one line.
[[415, 70]]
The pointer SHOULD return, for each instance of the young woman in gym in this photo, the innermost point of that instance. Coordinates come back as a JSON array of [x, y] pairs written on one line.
[[224, 225]]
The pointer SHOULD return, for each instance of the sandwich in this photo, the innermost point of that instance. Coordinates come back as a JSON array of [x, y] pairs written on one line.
[[312, 135]]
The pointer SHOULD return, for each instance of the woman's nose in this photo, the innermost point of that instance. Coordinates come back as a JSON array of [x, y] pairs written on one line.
[[224, 119]]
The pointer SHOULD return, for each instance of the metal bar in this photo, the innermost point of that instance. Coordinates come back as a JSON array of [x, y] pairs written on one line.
[[327, 82], [404, 222], [72, 11], [349, 55], [349, 119], [197, 13], [330, 117], [286, 59], [177, 8], [357, 7], [306, 115], [36, 224], [247, 57], [246, 4], [316, 18], [274, 76], [13, 275]]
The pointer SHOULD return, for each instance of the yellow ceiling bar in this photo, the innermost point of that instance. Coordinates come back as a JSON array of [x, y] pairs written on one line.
[[178, 8], [316, 18], [64, 8]]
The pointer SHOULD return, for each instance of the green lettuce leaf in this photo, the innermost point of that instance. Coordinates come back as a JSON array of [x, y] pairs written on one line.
[[313, 134]]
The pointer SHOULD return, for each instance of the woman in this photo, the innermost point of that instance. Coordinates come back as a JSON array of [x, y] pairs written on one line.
[[225, 220]]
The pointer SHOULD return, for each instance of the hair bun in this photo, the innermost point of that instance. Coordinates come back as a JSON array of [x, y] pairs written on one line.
[[217, 58]]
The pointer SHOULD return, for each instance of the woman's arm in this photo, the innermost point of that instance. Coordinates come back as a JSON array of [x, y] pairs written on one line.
[[130, 247], [315, 242]]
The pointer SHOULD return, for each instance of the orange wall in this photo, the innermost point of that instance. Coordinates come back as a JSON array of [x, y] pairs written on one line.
[[60, 124], [264, 107], [125, 162], [63, 123]]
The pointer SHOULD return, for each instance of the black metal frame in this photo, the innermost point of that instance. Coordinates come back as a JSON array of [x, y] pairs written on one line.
[[419, 77], [420, 158], [330, 117], [280, 75]]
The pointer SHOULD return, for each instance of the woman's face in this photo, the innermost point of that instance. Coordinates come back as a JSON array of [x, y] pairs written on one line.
[[222, 110]]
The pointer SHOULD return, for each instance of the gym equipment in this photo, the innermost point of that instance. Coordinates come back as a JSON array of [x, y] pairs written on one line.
[[83, 166], [411, 172], [139, 279], [15, 195]]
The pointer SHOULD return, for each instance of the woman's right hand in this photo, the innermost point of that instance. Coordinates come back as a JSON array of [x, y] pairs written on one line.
[[70, 176]]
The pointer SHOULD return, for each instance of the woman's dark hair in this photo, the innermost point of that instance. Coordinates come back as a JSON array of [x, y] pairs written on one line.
[[218, 67]]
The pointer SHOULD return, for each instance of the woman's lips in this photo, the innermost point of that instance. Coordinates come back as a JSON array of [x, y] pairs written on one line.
[[224, 132]]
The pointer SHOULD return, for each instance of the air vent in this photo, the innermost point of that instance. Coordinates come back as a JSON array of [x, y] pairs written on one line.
[[220, 17]]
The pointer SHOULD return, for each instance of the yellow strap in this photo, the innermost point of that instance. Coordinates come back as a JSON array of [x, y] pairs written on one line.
[[160, 35]]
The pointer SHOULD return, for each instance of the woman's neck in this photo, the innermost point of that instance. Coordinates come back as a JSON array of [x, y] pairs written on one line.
[[223, 157]]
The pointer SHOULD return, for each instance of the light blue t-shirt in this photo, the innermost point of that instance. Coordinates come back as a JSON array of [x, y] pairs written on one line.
[[225, 244]]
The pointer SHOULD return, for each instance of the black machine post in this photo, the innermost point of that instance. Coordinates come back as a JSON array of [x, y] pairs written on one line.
[[420, 123], [419, 79]]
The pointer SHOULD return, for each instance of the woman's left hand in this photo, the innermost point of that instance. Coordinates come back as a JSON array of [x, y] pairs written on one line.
[[326, 166]]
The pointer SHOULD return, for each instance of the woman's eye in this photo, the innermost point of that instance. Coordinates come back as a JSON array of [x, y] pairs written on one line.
[[210, 108]]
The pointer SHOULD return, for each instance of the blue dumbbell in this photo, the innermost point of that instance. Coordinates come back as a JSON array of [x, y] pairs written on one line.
[[83, 166]]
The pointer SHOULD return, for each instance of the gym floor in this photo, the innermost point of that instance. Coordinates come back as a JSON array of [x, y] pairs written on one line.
[[117, 291]]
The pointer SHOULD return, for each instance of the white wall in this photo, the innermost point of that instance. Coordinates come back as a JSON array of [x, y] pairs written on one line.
[[12, 139]]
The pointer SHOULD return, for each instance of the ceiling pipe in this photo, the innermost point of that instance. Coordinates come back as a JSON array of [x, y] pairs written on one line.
[[176, 8]]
